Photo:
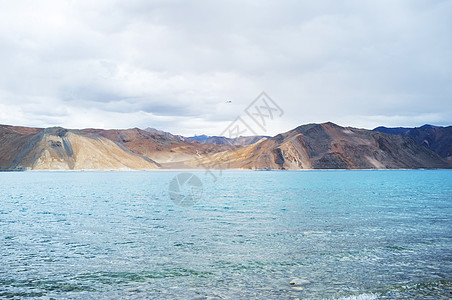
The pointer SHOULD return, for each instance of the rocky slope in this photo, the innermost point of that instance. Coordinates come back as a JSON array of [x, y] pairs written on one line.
[[435, 138], [328, 146], [160, 147], [312, 146], [61, 149], [165, 133]]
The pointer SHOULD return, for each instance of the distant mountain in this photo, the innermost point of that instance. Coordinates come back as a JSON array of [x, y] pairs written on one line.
[[435, 138], [329, 146], [57, 148], [312, 146], [161, 132], [221, 140], [159, 146], [200, 138], [394, 130]]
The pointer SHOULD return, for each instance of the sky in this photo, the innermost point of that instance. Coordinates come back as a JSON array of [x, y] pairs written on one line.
[[193, 67]]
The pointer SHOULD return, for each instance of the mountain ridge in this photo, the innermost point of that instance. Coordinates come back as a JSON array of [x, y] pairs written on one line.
[[309, 146], [435, 138], [57, 148], [329, 146], [221, 140]]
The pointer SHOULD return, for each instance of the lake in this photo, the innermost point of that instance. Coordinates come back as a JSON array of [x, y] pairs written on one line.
[[335, 234]]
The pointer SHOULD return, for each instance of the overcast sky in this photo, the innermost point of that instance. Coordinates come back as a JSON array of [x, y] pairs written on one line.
[[175, 65]]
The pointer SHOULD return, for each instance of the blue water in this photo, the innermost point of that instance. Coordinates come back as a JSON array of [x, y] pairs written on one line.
[[344, 234]]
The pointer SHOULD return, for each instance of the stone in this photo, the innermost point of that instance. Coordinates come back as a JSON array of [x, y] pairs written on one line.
[[299, 281]]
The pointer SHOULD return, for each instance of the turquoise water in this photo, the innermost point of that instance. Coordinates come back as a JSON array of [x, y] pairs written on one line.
[[344, 234]]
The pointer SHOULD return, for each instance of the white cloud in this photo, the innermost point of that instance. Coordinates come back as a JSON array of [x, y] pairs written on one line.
[[173, 64]]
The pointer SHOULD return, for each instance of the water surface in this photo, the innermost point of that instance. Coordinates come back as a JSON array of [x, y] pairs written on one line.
[[346, 234]]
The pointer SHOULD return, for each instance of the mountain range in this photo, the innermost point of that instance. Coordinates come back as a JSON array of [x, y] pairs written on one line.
[[221, 140], [435, 138], [311, 146]]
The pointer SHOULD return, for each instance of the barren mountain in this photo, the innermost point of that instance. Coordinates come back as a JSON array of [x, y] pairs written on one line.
[[162, 148], [435, 138], [165, 133], [328, 146], [61, 149], [312, 146]]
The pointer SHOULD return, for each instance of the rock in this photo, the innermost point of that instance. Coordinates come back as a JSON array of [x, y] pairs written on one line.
[[299, 281], [55, 144]]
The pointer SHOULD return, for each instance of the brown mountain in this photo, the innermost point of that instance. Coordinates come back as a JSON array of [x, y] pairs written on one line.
[[61, 149], [312, 146], [158, 146], [328, 146], [165, 133], [435, 138]]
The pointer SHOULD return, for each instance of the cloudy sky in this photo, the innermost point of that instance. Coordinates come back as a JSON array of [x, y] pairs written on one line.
[[175, 65]]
